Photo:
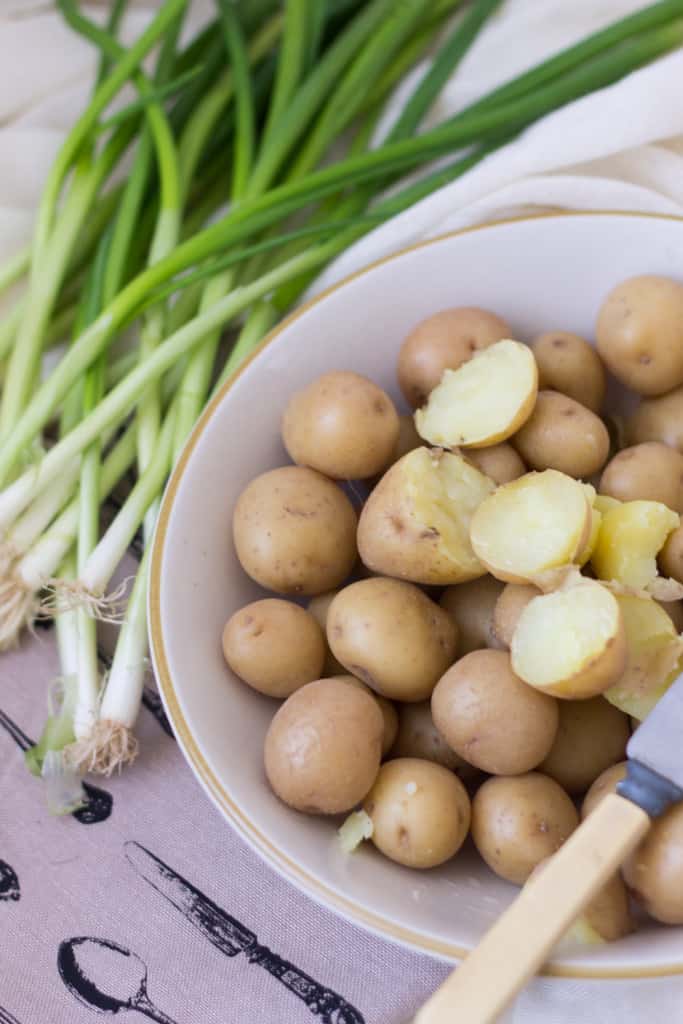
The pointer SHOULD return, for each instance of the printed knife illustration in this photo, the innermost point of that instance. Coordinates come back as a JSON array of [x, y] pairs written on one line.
[[99, 801], [231, 937]]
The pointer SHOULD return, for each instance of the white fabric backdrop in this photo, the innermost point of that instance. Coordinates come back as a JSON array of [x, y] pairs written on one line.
[[621, 148]]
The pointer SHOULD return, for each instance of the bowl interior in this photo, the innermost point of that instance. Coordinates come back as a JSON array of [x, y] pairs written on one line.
[[540, 274]]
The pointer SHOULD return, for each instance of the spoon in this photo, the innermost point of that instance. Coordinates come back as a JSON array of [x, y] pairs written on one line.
[[87, 965], [98, 801]]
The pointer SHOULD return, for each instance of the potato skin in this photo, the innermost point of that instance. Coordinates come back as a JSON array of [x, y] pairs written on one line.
[[420, 812], [562, 434], [649, 471], [274, 646], [295, 531], [417, 736], [591, 737], [658, 419], [342, 424], [390, 635], [510, 604], [499, 461], [640, 334], [444, 341], [471, 607], [517, 822], [604, 784], [569, 364], [389, 712], [323, 747], [490, 717], [671, 557], [654, 872]]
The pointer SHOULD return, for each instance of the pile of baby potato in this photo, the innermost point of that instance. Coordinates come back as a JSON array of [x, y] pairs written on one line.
[[484, 630]]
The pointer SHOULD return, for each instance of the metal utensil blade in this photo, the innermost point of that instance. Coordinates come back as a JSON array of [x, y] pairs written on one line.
[[658, 741]]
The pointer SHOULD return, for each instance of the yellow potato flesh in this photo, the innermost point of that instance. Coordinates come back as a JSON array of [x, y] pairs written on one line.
[[605, 502], [560, 636], [587, 552], [484, 401], [654, 657], [630, 537], [444, 495], [540, 521]]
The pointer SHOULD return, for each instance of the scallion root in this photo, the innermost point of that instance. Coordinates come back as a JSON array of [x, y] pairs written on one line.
[[18, 609], [68, 595], [109, 748]]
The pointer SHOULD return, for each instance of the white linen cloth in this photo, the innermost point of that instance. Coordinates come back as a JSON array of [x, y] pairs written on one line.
[[619, 149]]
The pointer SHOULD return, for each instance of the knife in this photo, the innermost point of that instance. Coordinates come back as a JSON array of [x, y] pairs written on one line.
[[231, 937], [520, 941]]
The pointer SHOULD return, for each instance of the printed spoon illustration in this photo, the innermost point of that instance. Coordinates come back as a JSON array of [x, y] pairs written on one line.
[[86, 966], [231, 937], [9, 883], [99, 801]]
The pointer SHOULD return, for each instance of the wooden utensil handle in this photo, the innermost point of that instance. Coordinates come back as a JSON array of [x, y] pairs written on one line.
[[519, 942]]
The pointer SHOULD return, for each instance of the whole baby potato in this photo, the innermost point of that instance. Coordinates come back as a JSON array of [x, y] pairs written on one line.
[[569, 364], [389, 712], [509, 606], [605, 783], [390, 635], [562, 434], [658, 419], [651, 471], [420, 812], [518, 821], [318, 607], [295, 531], [323, 747], [444, 341], [342, 424], [654, 872], [490, 717], [640, 334], [417, 736], [274, 646], [591, 737], [671, 556], [500, 462], [471, 606], [606, 918]]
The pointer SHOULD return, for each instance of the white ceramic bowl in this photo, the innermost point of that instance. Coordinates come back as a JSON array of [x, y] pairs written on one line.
[[540, 274]]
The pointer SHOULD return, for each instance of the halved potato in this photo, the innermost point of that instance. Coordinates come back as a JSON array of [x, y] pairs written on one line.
[[631, 535], [605, 502], [539, 522], [587, 552], [415, 524], [654, 656], [571, 643], [484, 401]]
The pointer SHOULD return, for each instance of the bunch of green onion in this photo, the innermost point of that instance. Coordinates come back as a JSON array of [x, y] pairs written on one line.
[[243, 164]]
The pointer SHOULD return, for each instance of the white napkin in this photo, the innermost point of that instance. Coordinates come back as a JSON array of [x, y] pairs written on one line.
[[619, 149]]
